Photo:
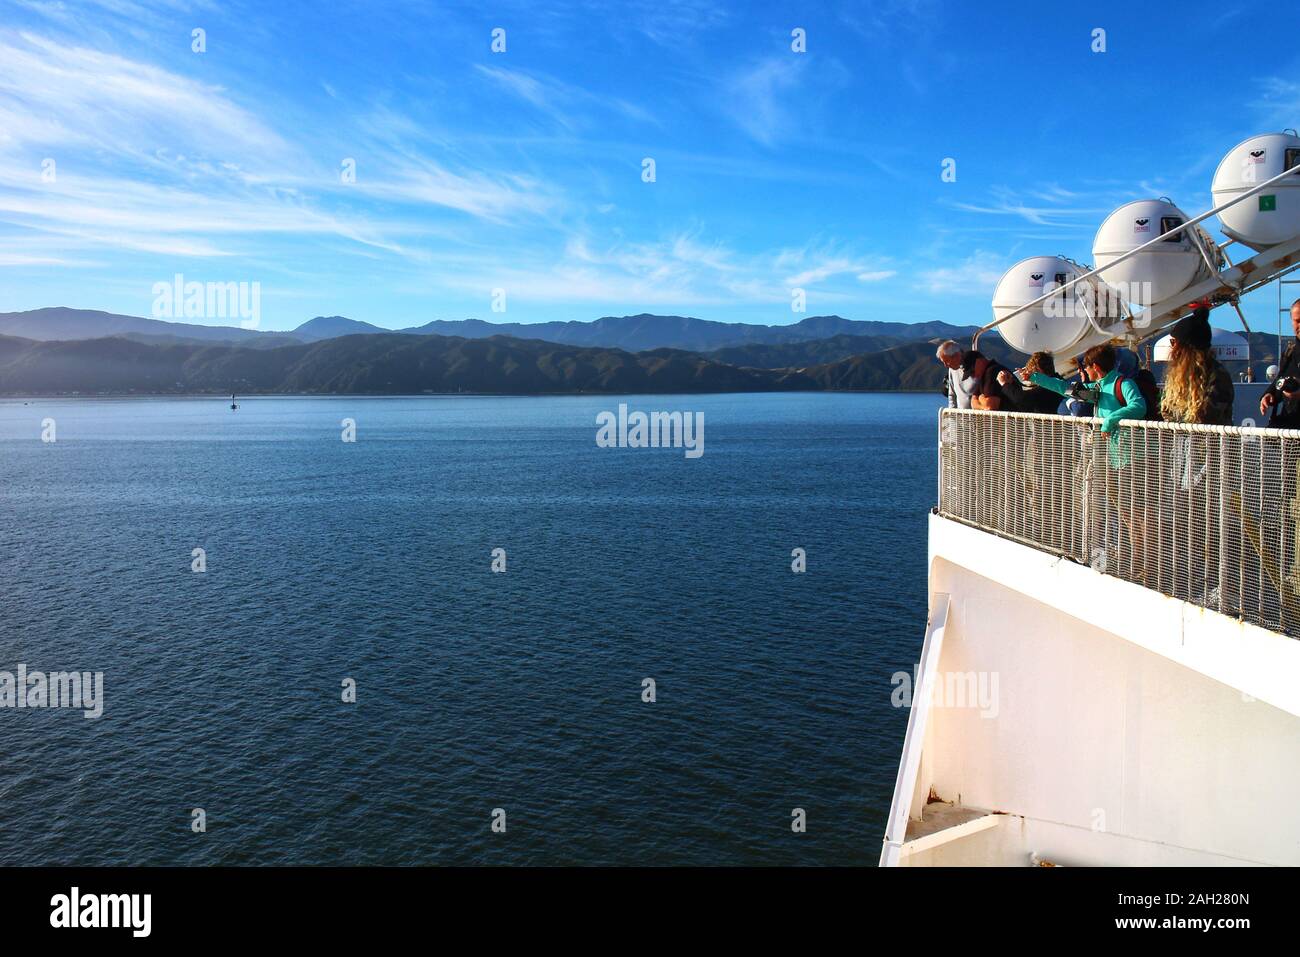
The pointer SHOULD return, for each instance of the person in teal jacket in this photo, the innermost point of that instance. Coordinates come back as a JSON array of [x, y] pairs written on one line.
[[1099, 364]]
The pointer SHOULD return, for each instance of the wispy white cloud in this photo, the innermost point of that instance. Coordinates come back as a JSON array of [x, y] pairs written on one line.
[[975, 275], [819, 261], [1050, 210], [532, 90], [681, 270], [825, 270], [904, 31], [63, 96], [410, 178], [121, 213], [1278, 103], [568, 105], [148, 160], [784, 98], [27, 259], [669, 21], [756, 97]]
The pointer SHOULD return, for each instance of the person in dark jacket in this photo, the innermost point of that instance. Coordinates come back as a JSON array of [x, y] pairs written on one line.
[[972, 378], [1283, 396], [1029, 398], [1198, 390]]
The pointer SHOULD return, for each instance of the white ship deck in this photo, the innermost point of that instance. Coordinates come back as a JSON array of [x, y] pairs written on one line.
[[1066, 713]]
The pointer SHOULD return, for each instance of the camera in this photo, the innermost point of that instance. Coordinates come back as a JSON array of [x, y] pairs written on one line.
[[1083, 393], [1287, 384]]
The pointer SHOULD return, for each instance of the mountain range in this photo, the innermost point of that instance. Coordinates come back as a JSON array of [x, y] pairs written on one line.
[[631, 333], [372, 364], [68, 351]]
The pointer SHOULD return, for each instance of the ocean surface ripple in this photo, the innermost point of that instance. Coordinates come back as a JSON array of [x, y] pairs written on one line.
[[371, 560]]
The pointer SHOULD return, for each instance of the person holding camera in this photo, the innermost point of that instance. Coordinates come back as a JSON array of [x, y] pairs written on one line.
[[1283, 396], [1030, 398], [1111, 404], [1114, 397]]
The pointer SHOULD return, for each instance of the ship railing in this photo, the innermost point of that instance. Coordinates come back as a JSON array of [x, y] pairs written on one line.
[[1205, 514]]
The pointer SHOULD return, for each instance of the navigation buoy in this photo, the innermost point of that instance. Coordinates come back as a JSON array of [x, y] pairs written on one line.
[[1059, 322], [1160, 272], [1266, 218]]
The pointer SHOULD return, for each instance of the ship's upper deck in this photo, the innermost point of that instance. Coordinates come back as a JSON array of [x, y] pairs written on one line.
[[1108, 674], [1205, 514]]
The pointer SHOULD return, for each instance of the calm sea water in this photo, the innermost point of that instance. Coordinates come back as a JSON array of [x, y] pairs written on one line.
[[371, 560]]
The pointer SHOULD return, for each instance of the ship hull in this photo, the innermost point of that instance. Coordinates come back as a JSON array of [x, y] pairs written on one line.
[[1066, 717]]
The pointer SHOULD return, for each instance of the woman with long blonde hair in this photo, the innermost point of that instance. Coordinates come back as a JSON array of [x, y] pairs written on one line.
[[1198, 390]]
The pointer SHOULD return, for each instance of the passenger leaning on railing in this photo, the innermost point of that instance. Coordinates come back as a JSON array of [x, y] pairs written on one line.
[[1126, 363], [972, 378], [1198, 390], [1030, 398], [1115, 397], [1101, 391]]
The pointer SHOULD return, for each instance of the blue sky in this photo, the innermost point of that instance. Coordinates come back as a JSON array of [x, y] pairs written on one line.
[[522, 170]]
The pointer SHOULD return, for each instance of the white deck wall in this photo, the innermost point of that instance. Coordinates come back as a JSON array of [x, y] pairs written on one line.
[[1121, 734]]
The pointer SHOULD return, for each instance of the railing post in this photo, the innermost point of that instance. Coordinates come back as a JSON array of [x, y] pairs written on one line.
[[1008, 520], [938, 498], [1086, 515], [1223, 560]]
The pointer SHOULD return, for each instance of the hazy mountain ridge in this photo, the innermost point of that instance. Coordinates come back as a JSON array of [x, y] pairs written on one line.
[[366, 364], [337, 354], [645, 331], [62, 323], [632, 333], [392, 364], [387, 362], [331, 327]]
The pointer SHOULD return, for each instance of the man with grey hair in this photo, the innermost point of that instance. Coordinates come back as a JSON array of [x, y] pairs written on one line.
[[957, 388], [972, 379]]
